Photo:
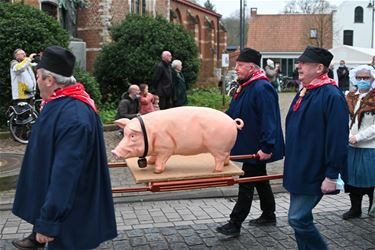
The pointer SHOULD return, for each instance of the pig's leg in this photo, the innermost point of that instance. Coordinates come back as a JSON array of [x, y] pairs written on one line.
[[219, 162], [160, 163], [152, 159], [227, 159]]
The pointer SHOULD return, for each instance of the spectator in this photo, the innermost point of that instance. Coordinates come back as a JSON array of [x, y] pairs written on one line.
[[360, 175], [156, 103], [330, 72], [315, 144], [129, 105], [373, 62], [146, 99], [256, 103], [271, 73], [179, 85], [162, 81], [64, 187], [295, 77], [343, 76], [22, 76]]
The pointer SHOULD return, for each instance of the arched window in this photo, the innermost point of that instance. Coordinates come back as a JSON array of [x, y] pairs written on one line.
[[139, 7], [358, 14], [50, 8]]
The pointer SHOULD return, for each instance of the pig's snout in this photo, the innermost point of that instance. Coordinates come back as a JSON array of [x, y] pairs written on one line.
[[116, 155]]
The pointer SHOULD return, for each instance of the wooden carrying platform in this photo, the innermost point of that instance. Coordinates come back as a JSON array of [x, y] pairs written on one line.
[[185, 173], [181, 168]]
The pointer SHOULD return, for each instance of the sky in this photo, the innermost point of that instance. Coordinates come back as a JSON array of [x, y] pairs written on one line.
[[228, 7]]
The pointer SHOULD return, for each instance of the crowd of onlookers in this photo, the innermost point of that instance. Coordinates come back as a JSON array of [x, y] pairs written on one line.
[[169, 87]]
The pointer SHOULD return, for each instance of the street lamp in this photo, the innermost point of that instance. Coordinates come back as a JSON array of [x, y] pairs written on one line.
[[371, 5]]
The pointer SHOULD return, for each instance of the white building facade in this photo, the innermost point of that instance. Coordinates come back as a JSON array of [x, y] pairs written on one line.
[[353, 24]]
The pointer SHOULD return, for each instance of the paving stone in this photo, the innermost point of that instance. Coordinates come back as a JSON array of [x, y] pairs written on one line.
[[138, 241], [193, 240]]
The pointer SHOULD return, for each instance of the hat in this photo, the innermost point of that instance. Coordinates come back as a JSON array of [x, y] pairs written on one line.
[[57, 60], [316, 55], [249, 55]]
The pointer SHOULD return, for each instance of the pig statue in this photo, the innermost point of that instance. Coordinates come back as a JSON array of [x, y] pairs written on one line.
[[178, 131]]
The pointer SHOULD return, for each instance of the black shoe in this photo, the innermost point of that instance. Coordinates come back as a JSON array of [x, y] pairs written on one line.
[[263, 221], [351, 214], [230, 229], [28, 243]]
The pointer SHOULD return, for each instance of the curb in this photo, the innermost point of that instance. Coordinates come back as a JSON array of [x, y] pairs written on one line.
[[5, 134]]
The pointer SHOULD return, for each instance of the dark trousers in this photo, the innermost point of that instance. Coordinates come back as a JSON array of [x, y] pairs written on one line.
[[246, 192], [165, 102]]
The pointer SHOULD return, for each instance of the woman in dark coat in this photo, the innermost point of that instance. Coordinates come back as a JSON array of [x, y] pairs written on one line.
[[179, 95]]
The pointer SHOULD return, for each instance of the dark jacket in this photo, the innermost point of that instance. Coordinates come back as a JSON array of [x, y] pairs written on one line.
[[162, 80], [179, 87], [64, 187], [343, 77], [316, 140], [128, 107], [258, 106]]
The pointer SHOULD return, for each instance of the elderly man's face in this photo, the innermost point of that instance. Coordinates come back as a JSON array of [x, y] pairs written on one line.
[[243, 70], [45, 85], [20, 55], [309, 71], [167, 57]]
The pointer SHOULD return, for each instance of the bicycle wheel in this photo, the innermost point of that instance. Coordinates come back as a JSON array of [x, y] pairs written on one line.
[[21, 132]]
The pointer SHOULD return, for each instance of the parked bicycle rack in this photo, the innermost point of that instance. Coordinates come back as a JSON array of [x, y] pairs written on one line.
[[176, 185]]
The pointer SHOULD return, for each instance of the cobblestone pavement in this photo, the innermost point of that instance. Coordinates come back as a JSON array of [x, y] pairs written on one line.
[[190, 224]]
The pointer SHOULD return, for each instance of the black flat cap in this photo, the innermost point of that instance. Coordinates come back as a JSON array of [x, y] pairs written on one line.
[[316, 55], [57, 60], [249, 55]]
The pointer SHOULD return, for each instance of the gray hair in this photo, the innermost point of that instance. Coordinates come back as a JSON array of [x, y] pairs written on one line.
[[65, 80], [175, 63]]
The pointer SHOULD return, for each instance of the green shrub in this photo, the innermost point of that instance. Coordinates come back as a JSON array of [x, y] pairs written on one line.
[[90, 83], [22, 26], [137, 44], [208, 98]]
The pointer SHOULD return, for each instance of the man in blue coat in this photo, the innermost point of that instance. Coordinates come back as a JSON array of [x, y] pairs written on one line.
[[256, 103], [64, 187], [316, 144]]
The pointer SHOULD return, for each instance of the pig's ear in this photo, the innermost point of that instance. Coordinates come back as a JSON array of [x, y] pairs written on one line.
[[122, 122]]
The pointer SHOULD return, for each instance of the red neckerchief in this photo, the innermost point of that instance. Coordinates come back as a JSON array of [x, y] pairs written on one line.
[[76, 91], [316, 83], [256, 76]]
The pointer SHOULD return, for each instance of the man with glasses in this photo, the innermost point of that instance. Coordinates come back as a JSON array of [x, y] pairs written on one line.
[[316, 144], [256, 103], [22, 76]]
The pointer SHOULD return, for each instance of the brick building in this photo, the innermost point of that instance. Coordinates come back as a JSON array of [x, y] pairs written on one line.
[[94, 22], [283, 37]]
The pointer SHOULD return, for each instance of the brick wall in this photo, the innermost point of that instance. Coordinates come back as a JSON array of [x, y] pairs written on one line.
[[94, 22]]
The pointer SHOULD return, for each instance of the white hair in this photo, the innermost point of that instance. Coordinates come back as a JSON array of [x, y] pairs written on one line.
[[369, 69], [270, 63], [175, 63], [65, 80]]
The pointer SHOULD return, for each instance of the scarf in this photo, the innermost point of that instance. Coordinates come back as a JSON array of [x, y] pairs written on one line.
[[316, 83], [257, 75], [76, 91], [367, 105]]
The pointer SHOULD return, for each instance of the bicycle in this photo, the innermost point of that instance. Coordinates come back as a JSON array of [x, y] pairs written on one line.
[[21, 117]]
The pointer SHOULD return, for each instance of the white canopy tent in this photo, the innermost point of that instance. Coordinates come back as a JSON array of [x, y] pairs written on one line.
[[353, 56]]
